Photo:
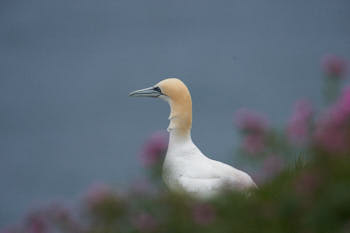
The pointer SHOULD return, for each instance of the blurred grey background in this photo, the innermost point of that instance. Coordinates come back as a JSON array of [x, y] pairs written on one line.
[[66, 68]]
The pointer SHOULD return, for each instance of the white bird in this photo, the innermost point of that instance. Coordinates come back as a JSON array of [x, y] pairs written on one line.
[[186, 168]]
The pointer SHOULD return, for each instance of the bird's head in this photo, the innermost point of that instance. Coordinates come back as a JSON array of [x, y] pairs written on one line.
[[176, 93], [171, 88]]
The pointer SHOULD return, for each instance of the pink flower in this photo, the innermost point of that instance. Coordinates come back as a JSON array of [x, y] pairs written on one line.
[[36, 223], [250, 121], [331, 139], [203, 214], [254, 127], [58, 212], [299, 123], [332, 131], [271, 167], [334, 66], [8, 230], [97, 194], [273, 164], [344, 102], [253, 144], [145, 222], [155, 148]]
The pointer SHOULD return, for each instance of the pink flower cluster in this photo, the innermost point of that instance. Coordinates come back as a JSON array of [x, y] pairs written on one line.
[[155, 148], [254, 127], [272, 165], [36, 223], [334, 66], [46, 219], [97, 194], [298, 129], [332, 129]]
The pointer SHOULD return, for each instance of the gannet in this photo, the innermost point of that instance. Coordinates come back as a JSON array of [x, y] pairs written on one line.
[[186, 168]]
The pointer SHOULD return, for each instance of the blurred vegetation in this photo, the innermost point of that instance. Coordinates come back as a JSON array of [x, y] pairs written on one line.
[[303, 174]]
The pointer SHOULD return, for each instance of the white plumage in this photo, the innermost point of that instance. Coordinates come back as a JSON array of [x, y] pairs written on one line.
[[185, 168]]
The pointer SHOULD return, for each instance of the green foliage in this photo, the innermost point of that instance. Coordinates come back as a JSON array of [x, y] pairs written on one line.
[[312, 197]]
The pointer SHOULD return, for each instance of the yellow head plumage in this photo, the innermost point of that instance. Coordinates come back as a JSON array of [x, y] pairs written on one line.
[[180, 103], [177, 94]]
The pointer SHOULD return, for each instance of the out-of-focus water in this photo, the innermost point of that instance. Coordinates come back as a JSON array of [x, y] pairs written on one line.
[[66, 68]]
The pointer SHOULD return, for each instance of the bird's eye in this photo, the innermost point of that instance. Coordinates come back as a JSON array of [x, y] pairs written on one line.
[[157, 89]]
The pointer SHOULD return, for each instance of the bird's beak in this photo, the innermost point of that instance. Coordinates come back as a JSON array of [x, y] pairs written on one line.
[[147, 92]]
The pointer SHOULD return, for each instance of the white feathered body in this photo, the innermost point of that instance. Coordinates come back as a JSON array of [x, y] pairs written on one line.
[[186, 169]]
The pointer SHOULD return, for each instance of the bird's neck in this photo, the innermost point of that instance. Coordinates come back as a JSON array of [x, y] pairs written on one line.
[[181, 116], [176, 138]]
